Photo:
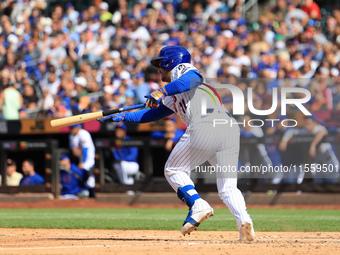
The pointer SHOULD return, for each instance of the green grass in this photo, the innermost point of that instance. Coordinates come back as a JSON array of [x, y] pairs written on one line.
[[166, 219]]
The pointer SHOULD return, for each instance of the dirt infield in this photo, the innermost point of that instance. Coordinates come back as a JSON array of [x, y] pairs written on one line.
[[61, 241], [80, 241]]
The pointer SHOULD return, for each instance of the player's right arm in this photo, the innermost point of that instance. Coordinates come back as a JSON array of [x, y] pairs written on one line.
[[190, 79], [142, 116]]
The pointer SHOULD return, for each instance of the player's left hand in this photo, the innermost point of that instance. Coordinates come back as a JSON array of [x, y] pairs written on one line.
[[154, 99], [117, 117]]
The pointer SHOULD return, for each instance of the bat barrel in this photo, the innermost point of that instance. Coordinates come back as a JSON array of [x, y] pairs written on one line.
[[81, 118]]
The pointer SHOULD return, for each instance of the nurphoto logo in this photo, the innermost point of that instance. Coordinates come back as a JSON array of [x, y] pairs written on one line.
[[238, 106]]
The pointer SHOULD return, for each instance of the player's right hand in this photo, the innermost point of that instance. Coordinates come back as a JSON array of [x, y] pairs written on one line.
[[114, 117], [155, 98]]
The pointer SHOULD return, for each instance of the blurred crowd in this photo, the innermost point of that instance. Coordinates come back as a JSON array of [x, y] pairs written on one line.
[[58, 60]]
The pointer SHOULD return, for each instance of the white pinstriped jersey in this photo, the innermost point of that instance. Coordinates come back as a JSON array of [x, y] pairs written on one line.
[[188, 105]]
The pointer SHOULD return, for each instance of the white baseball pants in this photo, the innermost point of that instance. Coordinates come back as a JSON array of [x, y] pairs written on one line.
[[220, 146]]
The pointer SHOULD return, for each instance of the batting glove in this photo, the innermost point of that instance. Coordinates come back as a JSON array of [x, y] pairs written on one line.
[[115, 117], [155, 98]]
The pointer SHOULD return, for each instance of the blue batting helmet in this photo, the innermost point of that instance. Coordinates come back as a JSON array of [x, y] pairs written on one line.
[[171, 56]]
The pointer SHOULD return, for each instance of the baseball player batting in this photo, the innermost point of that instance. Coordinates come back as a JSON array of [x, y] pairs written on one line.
[[183, 95]]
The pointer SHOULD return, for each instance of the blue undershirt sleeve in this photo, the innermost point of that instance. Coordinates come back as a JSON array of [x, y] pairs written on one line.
[[148, 115], [189, 80]]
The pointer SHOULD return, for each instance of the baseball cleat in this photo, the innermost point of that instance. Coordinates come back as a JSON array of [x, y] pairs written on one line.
[[193, 220], [247, 232]]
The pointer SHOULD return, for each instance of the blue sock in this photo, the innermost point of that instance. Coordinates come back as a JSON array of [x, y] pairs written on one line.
[[188, 194]]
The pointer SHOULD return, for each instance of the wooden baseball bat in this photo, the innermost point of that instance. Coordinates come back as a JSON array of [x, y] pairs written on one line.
[[81, 118]]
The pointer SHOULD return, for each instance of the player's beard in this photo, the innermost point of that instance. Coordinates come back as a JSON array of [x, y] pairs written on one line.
[[166, 77]]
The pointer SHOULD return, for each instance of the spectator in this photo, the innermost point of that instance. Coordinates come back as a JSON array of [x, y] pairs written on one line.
[[138, 32], [31, 55], [80, 83], [47, 101], [55, 53], [71, 14], [10, 102], [58, 110], [312, 9], [82, 148], [41, 74], [13, 178], [30, 96], [141, 87], [71, 179], [31, 177], [295, 19], [72, 51], [105, 15], [240, 58], [280, 9], [125, 158], [108, 102], [86, 45], [53, 83], [10, 61], [268, 34], [95, 107]]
